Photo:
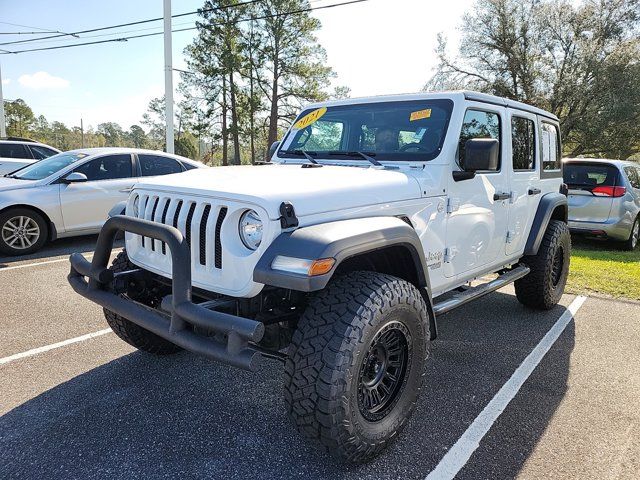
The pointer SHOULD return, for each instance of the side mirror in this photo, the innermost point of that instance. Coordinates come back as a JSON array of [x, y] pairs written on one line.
[[481, 154], [75, 177], [272, 150]]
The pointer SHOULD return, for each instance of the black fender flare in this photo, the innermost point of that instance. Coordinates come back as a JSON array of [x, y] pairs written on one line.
[[547, 206], [341, 240]]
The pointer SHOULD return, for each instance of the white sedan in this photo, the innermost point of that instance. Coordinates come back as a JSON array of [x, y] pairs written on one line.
[[71, 193]]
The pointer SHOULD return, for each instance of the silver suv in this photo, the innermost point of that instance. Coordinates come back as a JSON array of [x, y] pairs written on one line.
[[604, 199], [16, 152]]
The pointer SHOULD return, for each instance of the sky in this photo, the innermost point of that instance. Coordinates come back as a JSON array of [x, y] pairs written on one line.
[[377, 47]]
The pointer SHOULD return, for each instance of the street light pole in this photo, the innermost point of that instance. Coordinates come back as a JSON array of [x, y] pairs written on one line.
[[3, 127], [168, 77]]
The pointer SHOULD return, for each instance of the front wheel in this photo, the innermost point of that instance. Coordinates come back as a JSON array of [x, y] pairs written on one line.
[[356, 364], [543, 287], [22, 231]]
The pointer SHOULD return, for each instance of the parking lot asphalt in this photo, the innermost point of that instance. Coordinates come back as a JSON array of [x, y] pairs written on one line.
[[99, 408]]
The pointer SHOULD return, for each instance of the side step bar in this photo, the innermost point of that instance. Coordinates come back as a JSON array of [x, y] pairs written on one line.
[[476, 292]]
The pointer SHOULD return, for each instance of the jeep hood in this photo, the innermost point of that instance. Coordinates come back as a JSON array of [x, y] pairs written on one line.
[[310, 190], [7, 184]]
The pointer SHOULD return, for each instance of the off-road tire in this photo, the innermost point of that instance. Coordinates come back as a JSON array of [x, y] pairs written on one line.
[[633, 241], [543, 287], [33, 216], [128, 331], [327, 357]]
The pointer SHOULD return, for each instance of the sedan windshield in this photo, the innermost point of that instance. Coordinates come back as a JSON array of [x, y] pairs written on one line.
[[407, 130], [48, 166]]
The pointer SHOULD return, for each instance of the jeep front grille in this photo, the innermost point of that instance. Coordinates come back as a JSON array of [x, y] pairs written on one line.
[[200, 223]]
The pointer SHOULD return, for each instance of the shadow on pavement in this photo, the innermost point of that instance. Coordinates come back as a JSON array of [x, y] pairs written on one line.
[[61, 247], [183, 416]]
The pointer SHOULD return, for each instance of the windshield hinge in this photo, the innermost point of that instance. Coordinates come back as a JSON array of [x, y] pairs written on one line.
[[453, 205]]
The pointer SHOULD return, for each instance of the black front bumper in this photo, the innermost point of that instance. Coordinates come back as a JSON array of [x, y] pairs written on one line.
[[236, 331]]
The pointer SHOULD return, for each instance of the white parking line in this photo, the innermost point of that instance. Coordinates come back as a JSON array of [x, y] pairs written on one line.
[[46, 348], [459, 454], [46, 262]]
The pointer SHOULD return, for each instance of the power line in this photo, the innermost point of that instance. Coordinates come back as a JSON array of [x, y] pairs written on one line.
[[129, 24], [42, 30], [132, 37]]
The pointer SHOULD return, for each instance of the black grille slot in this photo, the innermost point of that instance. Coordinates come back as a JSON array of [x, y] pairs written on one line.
[[153, 216], [164, 220], [142, 209], [188, 224], [203, 234], [175, 216], [221, 215]]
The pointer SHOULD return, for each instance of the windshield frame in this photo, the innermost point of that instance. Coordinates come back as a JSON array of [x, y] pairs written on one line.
[[447, 104]]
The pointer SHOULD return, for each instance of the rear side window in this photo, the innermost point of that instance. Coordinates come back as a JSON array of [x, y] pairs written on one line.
[[633, 174], [189, 166], [153, 165], [14, 150], [551, 155], [39, 152], [479, 124], [587, 176], [523, 143], [110, 167]]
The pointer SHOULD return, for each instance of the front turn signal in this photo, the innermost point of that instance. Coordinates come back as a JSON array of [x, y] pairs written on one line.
[[322, 266]]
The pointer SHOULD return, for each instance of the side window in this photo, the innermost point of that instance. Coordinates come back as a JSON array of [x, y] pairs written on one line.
[[633, 174], [188, 166], [479, 124], [110, 167], [39, 152], [153, 165], [14, 150], [551, 156], [523, 143]]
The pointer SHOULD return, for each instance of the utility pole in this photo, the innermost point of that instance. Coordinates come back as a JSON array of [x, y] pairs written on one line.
[[3, 127], [168, 77], [82, 131]]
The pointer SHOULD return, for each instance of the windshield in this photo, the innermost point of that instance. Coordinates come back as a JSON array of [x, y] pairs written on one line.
[[48, 166], [408, 130]]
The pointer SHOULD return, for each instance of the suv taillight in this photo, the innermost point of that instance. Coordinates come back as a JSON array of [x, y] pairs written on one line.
[[609, 191]]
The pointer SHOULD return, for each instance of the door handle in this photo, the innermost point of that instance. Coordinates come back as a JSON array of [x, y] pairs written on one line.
[[535, 191], [501, 196]]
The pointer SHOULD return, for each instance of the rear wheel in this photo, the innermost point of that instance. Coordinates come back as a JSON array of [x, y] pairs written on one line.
[[22, 231], [356, 364], [634, 237], [128, 331], [543, 287]]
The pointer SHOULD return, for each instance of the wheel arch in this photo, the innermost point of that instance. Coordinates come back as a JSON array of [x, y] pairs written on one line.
[[381, 244], [53, 232], [552, 206]]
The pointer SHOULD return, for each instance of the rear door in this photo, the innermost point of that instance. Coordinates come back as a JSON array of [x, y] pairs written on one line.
[[525, 177], [13, 156], [86, 205], [592, 188]]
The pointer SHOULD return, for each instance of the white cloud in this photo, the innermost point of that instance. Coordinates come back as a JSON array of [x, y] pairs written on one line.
[[6, 81], [42, 80]]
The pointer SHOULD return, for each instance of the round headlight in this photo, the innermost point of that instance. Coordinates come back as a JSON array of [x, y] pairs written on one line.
[[250, 228]]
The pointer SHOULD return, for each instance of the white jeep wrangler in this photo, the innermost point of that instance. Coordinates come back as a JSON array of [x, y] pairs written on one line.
[[337, 257]]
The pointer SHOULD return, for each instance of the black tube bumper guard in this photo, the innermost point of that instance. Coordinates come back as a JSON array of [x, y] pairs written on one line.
[[184, 313]]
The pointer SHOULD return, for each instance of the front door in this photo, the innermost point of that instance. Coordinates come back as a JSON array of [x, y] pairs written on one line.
[[86, 205], [478, 207]]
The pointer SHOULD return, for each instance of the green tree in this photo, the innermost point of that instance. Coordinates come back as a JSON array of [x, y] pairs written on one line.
[[580, 61], [19, 118], [137, 136], [113, 134]]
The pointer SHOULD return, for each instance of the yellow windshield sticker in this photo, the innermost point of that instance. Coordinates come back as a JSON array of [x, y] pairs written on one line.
[[310, 118], [420, 115]]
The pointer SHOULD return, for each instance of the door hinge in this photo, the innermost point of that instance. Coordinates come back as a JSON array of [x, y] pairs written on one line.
[[511, 236], [448, 255], [453, 205]]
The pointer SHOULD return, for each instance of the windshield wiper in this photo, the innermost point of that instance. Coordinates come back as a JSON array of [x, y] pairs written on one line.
[[302, 153], [368, 158]]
